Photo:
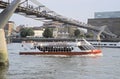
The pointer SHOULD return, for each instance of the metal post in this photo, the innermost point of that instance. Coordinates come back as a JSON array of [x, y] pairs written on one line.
[[27, 3], [8, 1]]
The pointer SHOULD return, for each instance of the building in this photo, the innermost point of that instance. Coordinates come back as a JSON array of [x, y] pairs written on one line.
[[110, 14], [18, 28], [38, 31], [9, 28], [110, 19], [112, 23], [60, 30]]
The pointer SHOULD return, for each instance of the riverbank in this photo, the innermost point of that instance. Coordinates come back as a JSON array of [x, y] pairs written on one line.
[[19, 40]]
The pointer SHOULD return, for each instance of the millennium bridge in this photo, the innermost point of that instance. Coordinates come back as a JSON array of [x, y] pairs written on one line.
[[35, 10]]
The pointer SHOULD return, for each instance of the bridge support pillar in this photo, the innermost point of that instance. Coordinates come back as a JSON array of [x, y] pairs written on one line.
[[4, 17], [3, 49]]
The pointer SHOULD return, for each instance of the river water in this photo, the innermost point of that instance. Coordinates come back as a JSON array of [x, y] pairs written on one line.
[[46, 67]]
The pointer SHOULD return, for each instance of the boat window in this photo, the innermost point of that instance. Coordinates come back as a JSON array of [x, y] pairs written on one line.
[[94, 44], [81, 48], [110, 44], [72, 48], [90, 47], [114, 44], [85, 47]]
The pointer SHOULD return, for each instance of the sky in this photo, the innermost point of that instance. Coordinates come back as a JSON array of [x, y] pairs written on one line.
[[77, 9]]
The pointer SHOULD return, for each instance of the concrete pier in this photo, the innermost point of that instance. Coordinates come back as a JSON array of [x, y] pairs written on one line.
[[4, 17], [3, 49], [3, 72]]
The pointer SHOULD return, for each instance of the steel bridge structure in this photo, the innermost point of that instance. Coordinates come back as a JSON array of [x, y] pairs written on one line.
[[35, 10]]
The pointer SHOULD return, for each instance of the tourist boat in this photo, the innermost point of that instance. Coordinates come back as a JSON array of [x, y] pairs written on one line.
[[106, 44], [61, 48]]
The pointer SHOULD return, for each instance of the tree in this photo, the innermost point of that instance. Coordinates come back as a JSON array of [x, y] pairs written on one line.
[[89, 35], [77, 33], [47, 33], [30, 32], [24, 32]]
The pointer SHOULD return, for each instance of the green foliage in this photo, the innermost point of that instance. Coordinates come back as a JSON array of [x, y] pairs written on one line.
[[24, 32], [89, 35], [47, 33], [30, 32], [77, 33]]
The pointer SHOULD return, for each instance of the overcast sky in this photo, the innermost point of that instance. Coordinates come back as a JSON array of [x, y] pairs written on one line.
[[78, 9]]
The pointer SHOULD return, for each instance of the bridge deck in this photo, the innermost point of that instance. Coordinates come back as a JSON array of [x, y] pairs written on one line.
[[27, 11]]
